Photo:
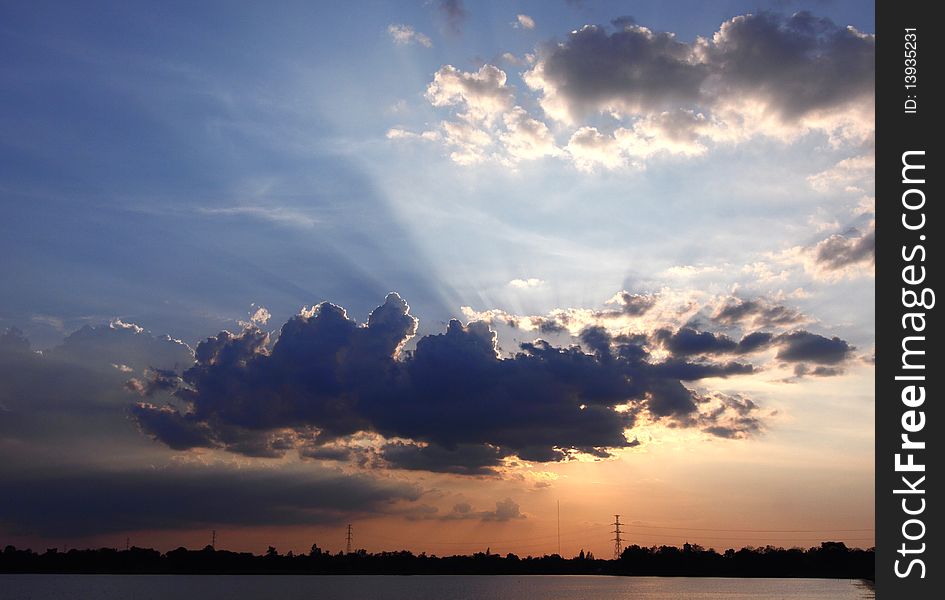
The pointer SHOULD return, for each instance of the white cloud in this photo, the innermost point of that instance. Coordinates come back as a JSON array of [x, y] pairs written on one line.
[[589, 149], [484, 94], [687, 271], [404, 35], [402, 134], [527, 138], [524, 21], [851, 175], [261, 316], [470, 143], [531, 282]]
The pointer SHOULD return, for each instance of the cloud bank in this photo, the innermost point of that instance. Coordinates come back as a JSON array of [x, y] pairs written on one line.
[[452, 404], [615, 96]]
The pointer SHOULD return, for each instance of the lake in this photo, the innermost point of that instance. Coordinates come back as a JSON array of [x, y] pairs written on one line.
[[421, 587]]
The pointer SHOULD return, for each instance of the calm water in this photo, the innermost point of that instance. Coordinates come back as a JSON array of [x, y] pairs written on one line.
[[426, 587]]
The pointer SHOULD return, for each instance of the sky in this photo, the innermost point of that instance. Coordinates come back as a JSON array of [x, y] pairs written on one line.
[[435, 269]]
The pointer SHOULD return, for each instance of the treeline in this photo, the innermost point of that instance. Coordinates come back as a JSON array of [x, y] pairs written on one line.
[[829, 560]]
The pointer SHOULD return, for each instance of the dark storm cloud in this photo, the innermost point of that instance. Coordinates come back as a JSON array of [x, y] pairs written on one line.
[[798, 65], [461, 407], [691, 371], [796, 346], [758, 312], [178, 431], [839, 251], [793, 66], [94, 502], [671, 398], [753, 342], [632, 68], [803, 346], [687, 342], [336, 453], [465, 459]]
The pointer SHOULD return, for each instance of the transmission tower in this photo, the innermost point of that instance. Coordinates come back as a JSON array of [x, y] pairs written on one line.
[[618, 543], [348, 539], [213, 539]]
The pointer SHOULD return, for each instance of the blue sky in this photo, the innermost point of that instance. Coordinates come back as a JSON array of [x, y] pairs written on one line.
[[177, 166], [134, 134]]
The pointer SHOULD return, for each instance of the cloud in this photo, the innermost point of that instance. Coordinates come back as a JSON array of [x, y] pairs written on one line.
[[589, 148], [841, 251], [260, 316], [622, 97], [729, 416], [174, 429], [524, 21], [846, 255], [526, 138], [803, 346], [505, 510], [153, 381], [634, 304], [454, 12], [453, 404], [402, 134], [634, 314], [121, 343], [482, 94], [470, 143], [790, 72], [687, 342], [802, 369], [464, 459], [632, 71], [757, 313], [405, 35], [795, 68], [850, 175], [68, 445], [73, 394], [667, 132], [531, 282], [188, 497]]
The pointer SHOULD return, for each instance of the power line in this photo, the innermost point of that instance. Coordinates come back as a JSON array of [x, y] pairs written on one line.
[[750, 530]]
